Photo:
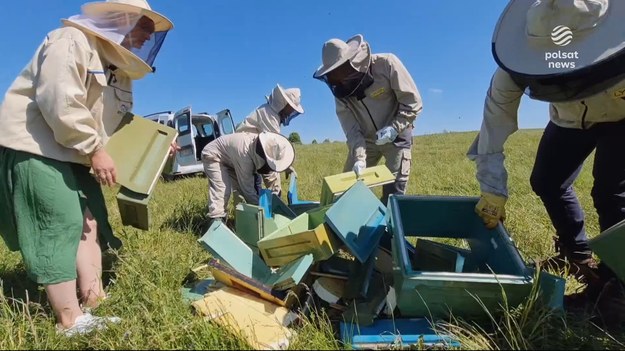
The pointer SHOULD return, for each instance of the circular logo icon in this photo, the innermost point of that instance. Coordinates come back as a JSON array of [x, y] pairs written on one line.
[[561, 35]]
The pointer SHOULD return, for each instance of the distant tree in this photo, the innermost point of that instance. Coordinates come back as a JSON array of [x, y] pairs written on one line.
[[326, 141], [314, 141], [294, 138]]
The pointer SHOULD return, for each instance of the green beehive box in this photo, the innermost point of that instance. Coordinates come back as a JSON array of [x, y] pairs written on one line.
[[139, 147], [335, 185], [305, 234], [608, 247], [251, 223], [133, 208], [491, 265]]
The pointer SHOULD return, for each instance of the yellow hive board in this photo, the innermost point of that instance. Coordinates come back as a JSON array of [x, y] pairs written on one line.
[[335, 185], [261, 323]]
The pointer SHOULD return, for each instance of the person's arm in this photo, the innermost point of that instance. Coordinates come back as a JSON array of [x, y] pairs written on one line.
[[353, 134], [405, 89], [61, 95], [499, 122]]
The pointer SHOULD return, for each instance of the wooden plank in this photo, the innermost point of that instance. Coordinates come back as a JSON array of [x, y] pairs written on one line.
[[262, 324]]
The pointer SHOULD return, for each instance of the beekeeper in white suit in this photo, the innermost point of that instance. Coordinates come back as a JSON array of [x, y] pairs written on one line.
[[568, 53], [56, 117], [377, 102], [283, 105], [231, 161]]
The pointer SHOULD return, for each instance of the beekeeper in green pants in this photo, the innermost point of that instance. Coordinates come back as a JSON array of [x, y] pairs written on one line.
[[56, 118]]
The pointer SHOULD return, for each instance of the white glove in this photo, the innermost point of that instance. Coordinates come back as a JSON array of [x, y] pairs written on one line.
[[359, 166], [385, 135]]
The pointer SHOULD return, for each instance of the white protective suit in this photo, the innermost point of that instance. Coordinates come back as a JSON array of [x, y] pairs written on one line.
[[69, 99], [266, 118], [501, 120], [391, 100], [230, 163]]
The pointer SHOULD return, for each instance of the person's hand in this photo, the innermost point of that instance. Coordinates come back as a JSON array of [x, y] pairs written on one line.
[[491, 208], [173, 148], [359, 166], [290, 171], [103, 167], [385, 135]]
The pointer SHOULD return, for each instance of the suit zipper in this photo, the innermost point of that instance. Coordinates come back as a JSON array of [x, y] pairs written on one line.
[[584, 115], [371, 117]]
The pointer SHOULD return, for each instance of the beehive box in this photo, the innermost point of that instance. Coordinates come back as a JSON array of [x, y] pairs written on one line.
[[335, 185], [140, 148], [609, 246], [251, 223], [359, 220], [491, 266], [226, 247], [305, 234], [133, 208]]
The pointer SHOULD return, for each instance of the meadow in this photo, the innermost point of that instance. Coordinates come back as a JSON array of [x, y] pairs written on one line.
[[145, 276]]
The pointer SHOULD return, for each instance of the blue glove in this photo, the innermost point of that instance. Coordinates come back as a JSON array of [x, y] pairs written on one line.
[[386, 135], [359, 166]]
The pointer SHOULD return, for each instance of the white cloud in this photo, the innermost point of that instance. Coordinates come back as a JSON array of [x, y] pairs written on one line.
[[435, 90]]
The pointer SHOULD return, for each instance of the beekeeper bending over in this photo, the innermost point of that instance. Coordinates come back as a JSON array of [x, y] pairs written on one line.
[[231, 161]]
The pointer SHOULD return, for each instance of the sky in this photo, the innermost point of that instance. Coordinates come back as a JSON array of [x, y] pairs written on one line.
[[230, 54]]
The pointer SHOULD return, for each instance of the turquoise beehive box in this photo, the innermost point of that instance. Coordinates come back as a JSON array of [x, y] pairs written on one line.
[[608, 246], [358, 219], [474, 279]]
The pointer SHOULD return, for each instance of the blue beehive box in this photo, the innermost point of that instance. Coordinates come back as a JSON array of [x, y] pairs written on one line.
[[491, 266], [391, 333], [358, 219]]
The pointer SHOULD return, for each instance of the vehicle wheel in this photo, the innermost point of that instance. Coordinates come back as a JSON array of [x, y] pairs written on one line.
[[168, 177]]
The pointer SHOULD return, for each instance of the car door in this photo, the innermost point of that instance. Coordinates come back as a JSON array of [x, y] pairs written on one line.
[[225, 121], [186, 142]]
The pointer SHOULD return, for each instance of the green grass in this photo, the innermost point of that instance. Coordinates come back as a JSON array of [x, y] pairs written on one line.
[[148, 271]]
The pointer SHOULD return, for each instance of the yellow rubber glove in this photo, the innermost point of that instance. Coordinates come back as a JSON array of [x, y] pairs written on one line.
[[492, 209]]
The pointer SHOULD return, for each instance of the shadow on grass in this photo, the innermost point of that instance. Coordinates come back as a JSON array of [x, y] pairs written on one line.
[[187, 217], [18, 286]]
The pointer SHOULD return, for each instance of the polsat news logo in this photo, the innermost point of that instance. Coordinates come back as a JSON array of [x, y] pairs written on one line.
[[561, 36]]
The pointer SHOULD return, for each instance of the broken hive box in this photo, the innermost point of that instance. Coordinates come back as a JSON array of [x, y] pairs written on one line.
[[335, 185], [493, 262], [306, 234], [225, 246], [262, 324], [252, 223], [273, 204], [358, 220], [286, 298], [292, 196]]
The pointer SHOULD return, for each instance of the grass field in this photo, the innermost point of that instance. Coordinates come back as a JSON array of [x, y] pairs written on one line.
[[147, 273]]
